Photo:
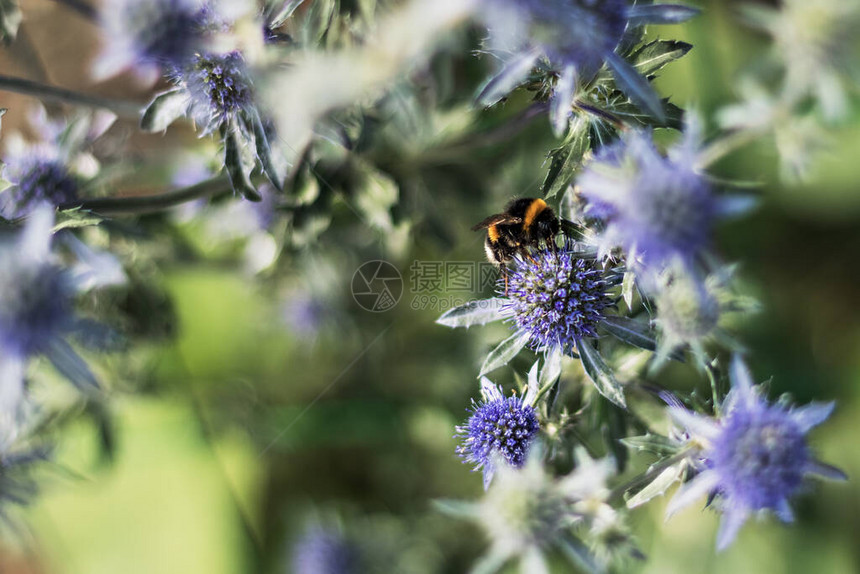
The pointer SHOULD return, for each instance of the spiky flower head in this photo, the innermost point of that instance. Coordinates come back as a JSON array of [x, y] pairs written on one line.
[[814, 42], [56, 168], [657, 208], [557, 297], [325, 550], [754, 457], [38, 180], [574, 38], [149, 36], [499, 429], [36, 311], [34, 292], [218, 85], [527, 510], [577, 32]]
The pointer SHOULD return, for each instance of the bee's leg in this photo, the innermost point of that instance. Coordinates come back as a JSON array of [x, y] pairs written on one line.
[[504, 271], [553, 246]]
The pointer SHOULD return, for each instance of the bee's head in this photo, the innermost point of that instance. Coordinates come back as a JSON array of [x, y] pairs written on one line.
[[546, 224]]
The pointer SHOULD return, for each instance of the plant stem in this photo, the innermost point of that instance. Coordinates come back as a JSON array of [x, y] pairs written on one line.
[[55, 94], [719, 148], [81, 8], [133, 205]]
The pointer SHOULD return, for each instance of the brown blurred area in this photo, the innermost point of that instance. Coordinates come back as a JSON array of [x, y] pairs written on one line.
[[14, 563], [56, 45]]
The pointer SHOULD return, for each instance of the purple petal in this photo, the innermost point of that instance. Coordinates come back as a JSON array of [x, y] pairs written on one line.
[[696, 424], [742, 382], [784, 511], [729, 527], [812, 415], [660, 14], [559, 110], [701, 485], [826, 471]]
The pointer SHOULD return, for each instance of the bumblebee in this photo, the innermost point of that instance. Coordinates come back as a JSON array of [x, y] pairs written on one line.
[[524, 224]]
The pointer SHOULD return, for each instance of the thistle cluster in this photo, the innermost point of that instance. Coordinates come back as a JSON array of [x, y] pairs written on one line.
[[627, 280], [558, 298]]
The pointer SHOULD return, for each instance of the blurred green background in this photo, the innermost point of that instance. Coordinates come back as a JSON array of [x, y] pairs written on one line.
[[246, 426]]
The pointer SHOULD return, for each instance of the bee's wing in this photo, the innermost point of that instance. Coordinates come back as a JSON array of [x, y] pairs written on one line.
[[497, 219]]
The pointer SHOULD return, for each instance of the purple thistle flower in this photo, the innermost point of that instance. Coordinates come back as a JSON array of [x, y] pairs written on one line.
[[218, 85], [36, 311], [499, 428], [576, 38], [658, 209], [557, 298], [36, 180], [752, 458], [152, 34], [324, 551]]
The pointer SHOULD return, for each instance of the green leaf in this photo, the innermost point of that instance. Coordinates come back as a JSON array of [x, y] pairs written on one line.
[[600, 374], [656, 487], [631, 331], [456, 508], [236, 168], [564, 161], [579, 555], [551, 368], [75, 218], [653, 56], [376, 198], [636, 87], [284, 13], [478, 312], [264, 150], [504, 352], [651, 443], [10, 19], [674, 116], [163, 110]]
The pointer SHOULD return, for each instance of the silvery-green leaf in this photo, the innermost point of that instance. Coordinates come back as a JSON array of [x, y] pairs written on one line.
[[70, 364], [163, 110], [504, 352], [674, 116], [627, 288], [565, 160], [492, 562], [377, 197], [600, 374], [654, 55], [75, 218], [456, 508], [660, 14], [631, 331], [651, 443], [285, 12], [551, 368], [478, 312], [635, 86], [235, 166], [264, 150], [508, 78], [579, 555], [10, 19], [656, 487], [562, 98]]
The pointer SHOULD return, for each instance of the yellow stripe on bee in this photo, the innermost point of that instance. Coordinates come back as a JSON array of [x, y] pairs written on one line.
[[536, 207], [493, 233]]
